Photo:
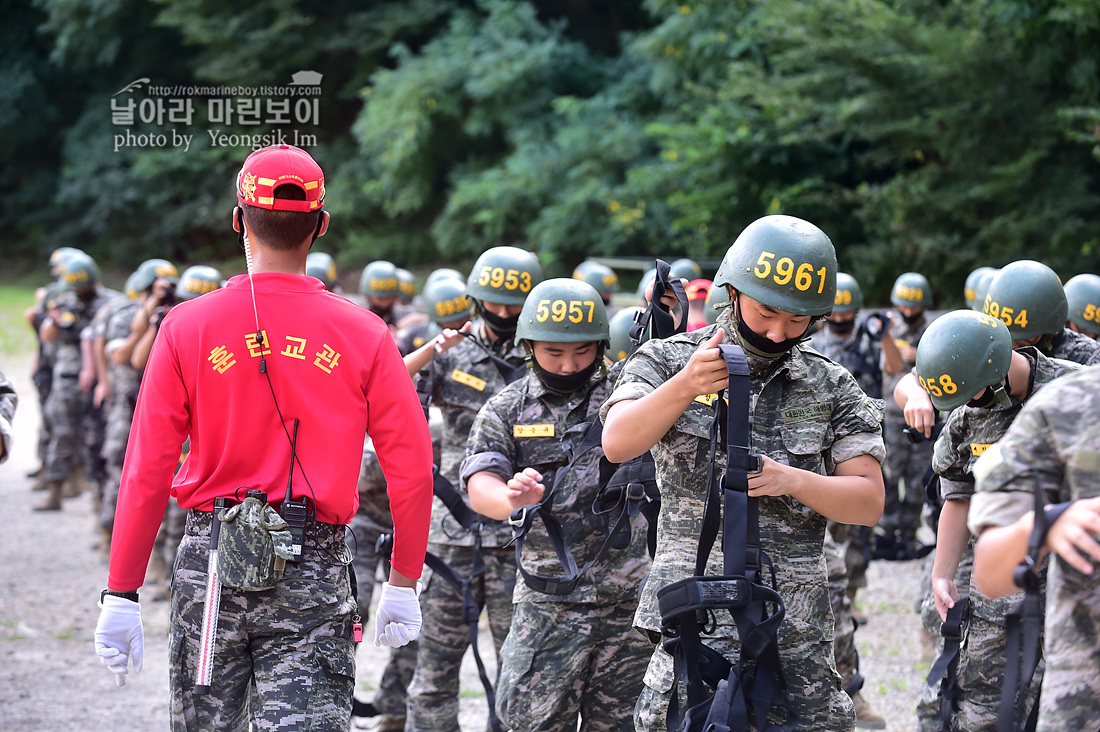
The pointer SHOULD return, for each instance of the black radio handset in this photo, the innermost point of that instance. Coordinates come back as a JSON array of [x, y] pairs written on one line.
[[295, 513]]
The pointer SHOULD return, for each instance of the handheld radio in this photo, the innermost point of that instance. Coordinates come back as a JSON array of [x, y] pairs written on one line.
[[295, 513]]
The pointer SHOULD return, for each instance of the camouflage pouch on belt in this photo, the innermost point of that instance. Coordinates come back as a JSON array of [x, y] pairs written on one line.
[[253, 546]]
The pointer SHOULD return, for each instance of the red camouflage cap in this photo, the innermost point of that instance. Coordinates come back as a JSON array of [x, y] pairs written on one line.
[[270, 167]]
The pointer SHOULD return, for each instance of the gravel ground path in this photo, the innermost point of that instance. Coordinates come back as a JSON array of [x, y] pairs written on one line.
[[51, 572]]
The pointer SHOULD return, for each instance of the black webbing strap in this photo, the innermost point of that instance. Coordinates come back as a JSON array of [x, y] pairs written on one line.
[[755, 685], [623, 494], [508, 371], [471, 610], [946, 668], [467, 517], [656, 313]]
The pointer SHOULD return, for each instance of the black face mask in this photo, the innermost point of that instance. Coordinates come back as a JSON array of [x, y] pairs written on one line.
[[841, 328], [762, 345], [912, 320], [86, 297], [565, 384], [381, 312], [503, 328]]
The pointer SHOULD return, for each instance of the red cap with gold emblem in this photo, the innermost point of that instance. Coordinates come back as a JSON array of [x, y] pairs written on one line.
[[270, 167]]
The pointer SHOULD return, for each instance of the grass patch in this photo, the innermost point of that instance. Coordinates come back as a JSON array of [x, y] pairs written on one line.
[[16, 337], [64, 635], [8, 623], [470, 692]]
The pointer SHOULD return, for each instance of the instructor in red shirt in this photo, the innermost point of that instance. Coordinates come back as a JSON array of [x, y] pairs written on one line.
[[270, 361]]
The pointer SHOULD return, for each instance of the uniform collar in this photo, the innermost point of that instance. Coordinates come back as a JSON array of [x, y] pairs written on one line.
[[276, 281]]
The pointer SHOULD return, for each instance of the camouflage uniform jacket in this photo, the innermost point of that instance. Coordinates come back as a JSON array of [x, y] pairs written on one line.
[[905, 335], [125, 379], [8, 402], [807, 412], [1054, 447], [411, 338], [498, 444], [967, 434], [857, 351], [374, 501], [1069, 345], [463, 379], [76, 315]]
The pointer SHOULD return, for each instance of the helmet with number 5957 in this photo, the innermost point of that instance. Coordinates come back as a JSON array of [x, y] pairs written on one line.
[[504, 275], [563, 311], [783, 262]]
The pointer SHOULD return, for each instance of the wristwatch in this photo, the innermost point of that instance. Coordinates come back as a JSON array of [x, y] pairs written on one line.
[[132, 595]]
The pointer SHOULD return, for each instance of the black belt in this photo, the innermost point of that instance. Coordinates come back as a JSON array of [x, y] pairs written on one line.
[[317, 533]]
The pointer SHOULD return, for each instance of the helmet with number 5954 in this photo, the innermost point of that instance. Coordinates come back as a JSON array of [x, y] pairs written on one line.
[[1027, 296], [783, 262], [960, 354], [563, 311], [504, 275]]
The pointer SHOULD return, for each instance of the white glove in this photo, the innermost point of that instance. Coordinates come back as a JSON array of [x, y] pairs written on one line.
[[397, 620], [119, 637]]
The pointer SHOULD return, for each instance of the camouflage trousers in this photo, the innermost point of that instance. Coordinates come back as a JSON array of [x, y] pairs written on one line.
[[564, 662], [903, 472], [844, 625], [119, 416], [433, 693], [814, 693], [284, 658], [75, 428], [393, 687]]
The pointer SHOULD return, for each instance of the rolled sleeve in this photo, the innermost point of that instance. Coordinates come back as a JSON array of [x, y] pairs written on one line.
[[997, 509]]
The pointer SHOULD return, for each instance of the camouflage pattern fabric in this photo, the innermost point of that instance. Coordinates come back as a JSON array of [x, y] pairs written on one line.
[[808, 413], [433, 693], [118, 410], [966, 435], [903, 471], [844, 626], [1069, 345], [855, 351], [8, 402], [411, 338], [463, 379], [291, 645], [1054, 446], [254, 537], [563, 660], [578, 657]]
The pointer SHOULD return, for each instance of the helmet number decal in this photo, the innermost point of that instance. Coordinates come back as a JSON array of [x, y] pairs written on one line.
[[786, 270], [912, 294], [1092, 313], [454, 306], [498, 277], [560, 310], [843, 297], [994, 310], [945, 385]]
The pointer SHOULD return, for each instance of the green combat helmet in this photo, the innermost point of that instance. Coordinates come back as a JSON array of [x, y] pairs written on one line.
[[1083, 300], [849, 298], [59, 255], [971, 285], [323, 267], [563, 310], [1027, 296], [600, 276], [689, 269], [782, 262], [504, 275], [716, 298], [446, 302], [444, 272], [981, 287], [379, 279], [406, 285], [198, 280], [78, 270], [647, 279], [149, 272], [619, 327], [911, 290], [961, 354]]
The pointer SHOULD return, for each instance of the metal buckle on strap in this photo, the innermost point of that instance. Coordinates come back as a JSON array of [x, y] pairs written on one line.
[[635, 491], [518, 518]]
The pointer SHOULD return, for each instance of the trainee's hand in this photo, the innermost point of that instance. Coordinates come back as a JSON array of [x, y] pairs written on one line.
[[908, 354], [706, 370], [101, 394], [1073, 536], [945, 593], [86, 379], [397, 619], [119, 637], [525, 488], [920, 414], [775, 479], [450, 338]]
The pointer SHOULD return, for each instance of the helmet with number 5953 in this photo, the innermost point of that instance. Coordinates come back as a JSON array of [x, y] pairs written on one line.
[[782, 262], [960, 354], [504, 275], [563, 310]]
